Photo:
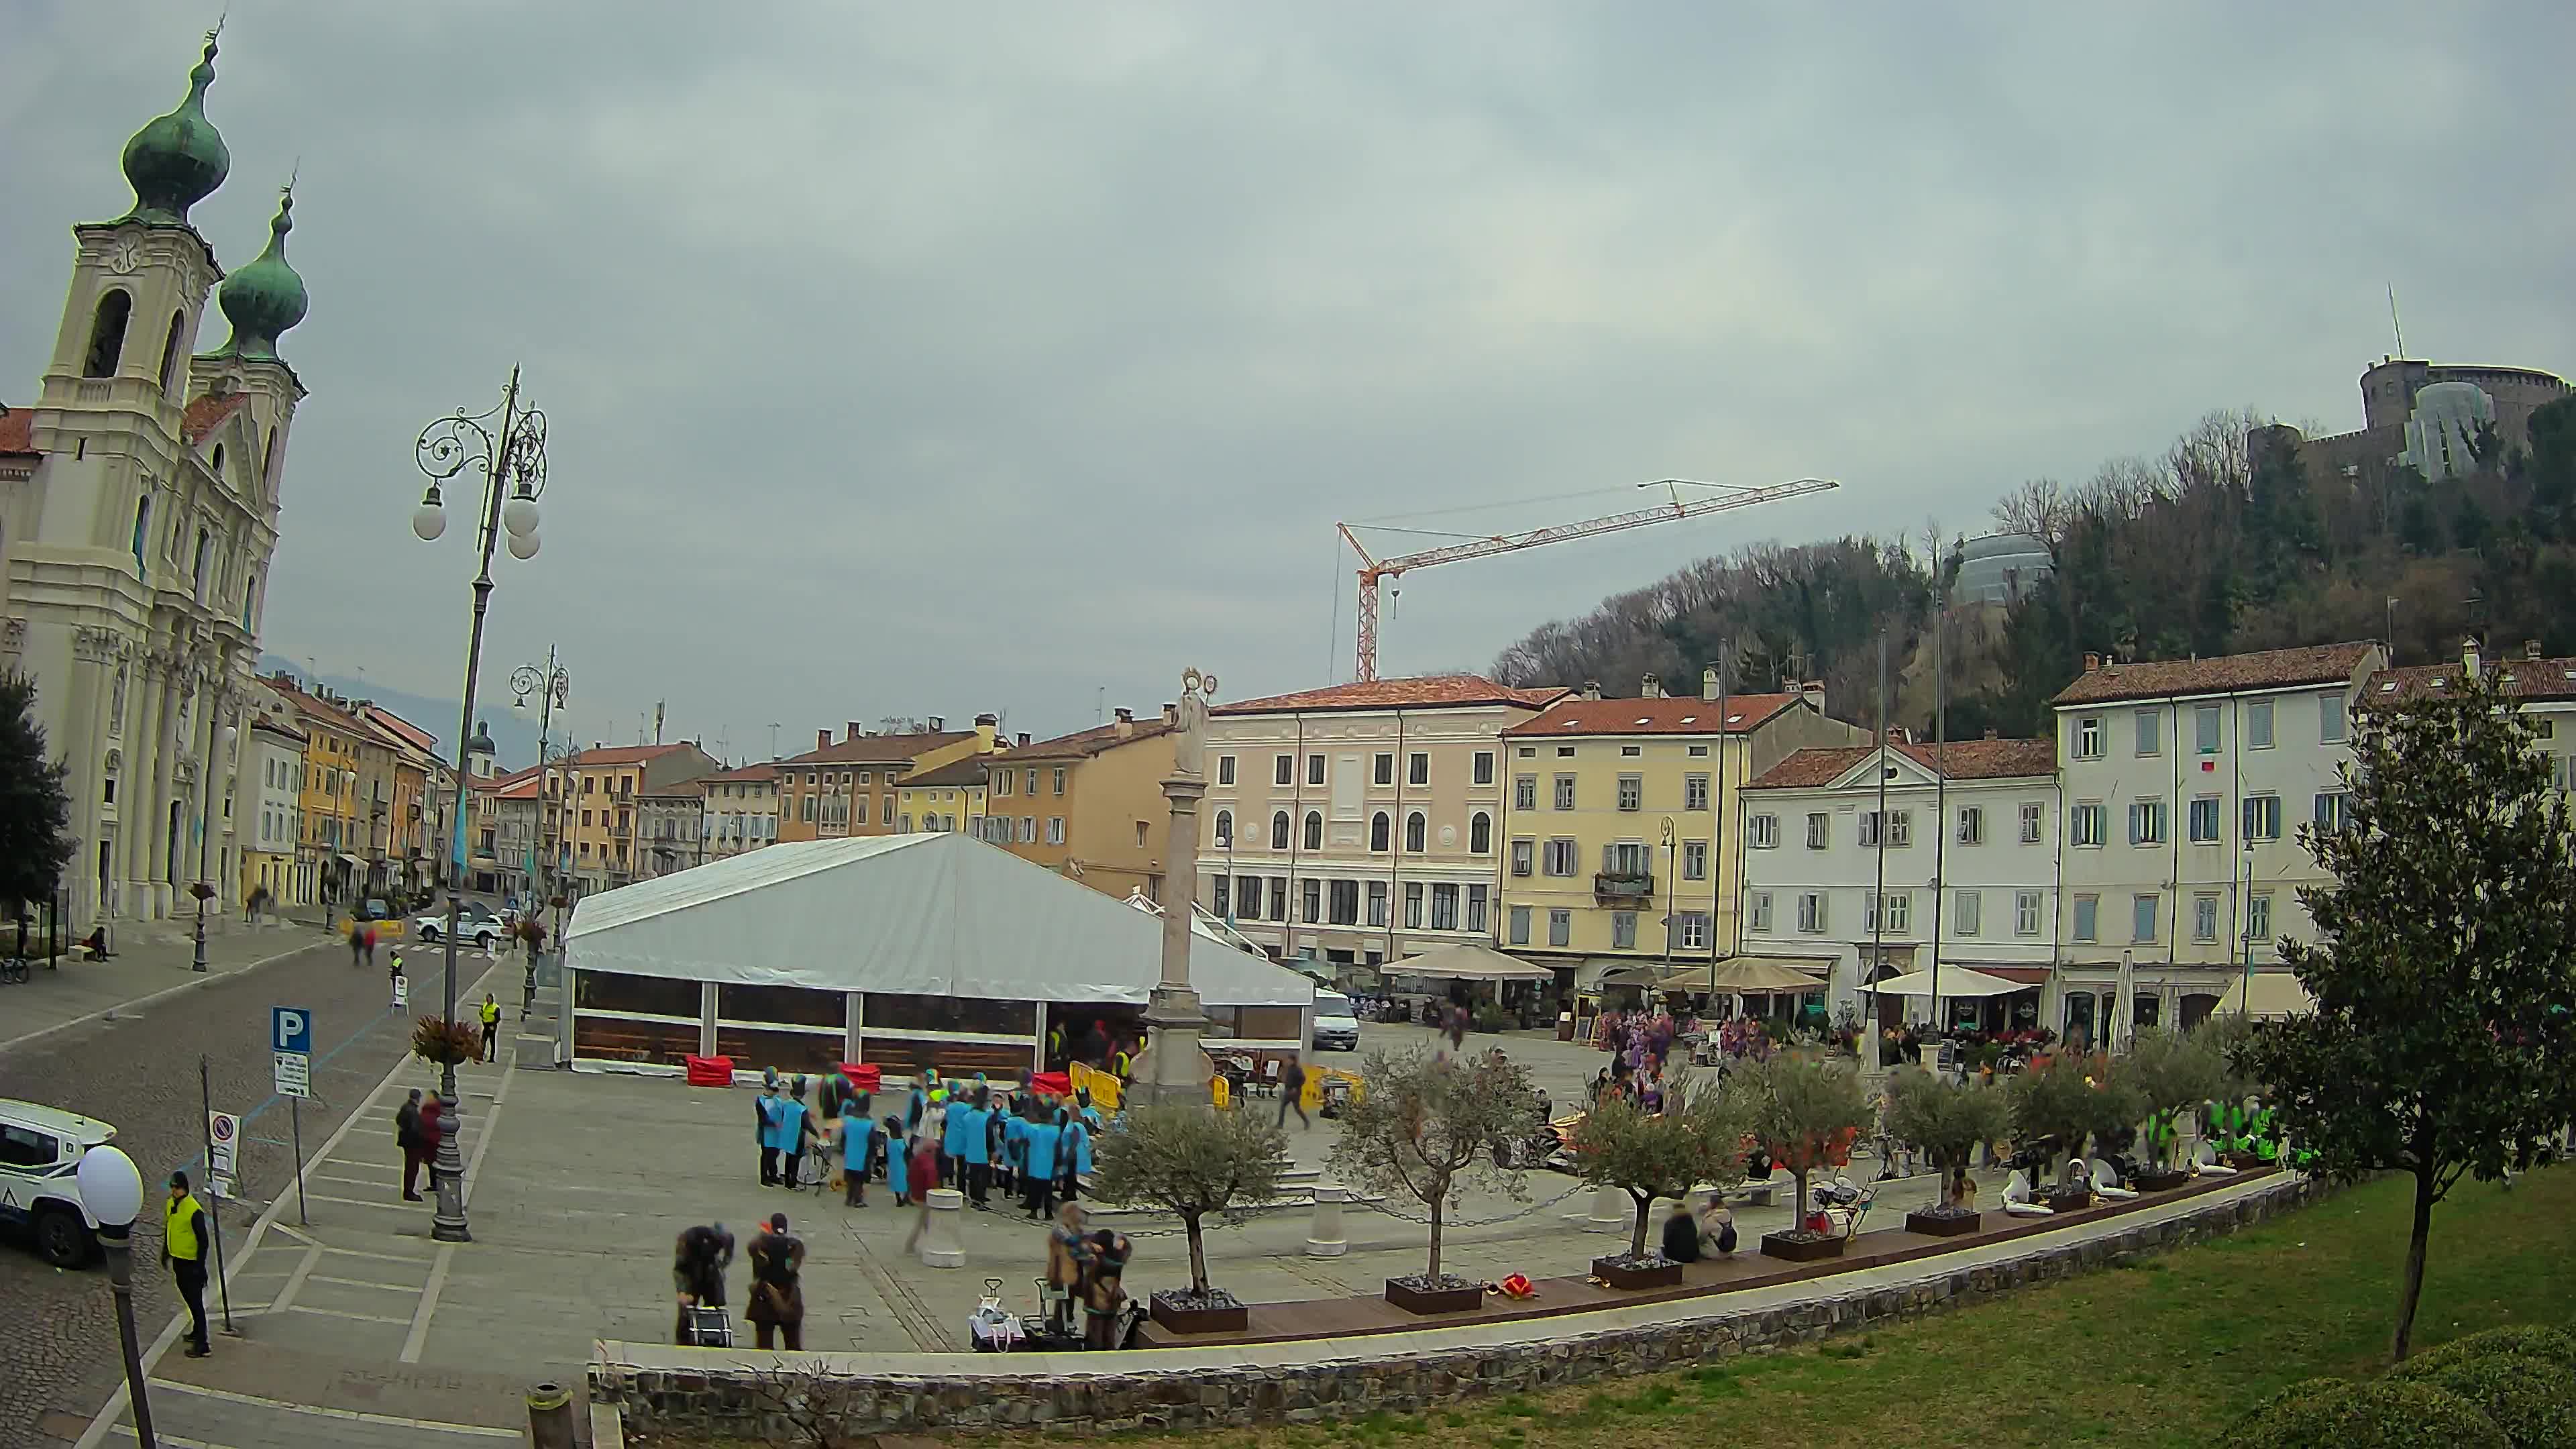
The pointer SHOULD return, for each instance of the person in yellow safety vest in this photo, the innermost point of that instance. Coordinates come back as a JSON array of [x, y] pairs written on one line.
[[183, 1246], [1120, 1063], [491, 1028]]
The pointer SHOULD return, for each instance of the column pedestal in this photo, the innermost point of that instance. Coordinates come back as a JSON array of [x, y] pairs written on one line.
[[941, 1244], [1326, 1239]]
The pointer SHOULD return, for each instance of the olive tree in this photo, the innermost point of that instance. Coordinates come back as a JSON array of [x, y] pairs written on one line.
[[1945, 1120], [1190, 1161], [2065, 1098], [1805, 1112], [1427, 1126], [1698, 1137], [2173, 1072]]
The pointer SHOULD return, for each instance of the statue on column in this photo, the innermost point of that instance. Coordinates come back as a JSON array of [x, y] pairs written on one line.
[[1189, 746]]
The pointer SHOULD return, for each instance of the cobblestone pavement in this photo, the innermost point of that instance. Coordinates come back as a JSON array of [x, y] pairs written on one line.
[[59, 1359]]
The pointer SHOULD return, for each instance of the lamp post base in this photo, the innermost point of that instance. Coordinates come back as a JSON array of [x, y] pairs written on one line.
[[199, 964], [448, 1170]]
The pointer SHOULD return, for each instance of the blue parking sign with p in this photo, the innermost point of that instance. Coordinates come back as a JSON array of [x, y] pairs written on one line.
[[290, 1029]]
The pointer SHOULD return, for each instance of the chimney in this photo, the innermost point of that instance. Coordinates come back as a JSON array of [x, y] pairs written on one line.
[[851, 730], [2092, 661], [823, 738], [2530, 648], [938, 724], [1171, 713], [1592, 689], [988, 718], [2469, 654], [1126, 723], [988, 731], [1813, 692], [1022, 739], [1650, 688]]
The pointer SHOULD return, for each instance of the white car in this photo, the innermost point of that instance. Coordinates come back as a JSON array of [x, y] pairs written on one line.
[[40, 1149], [475, 923], [1337, 1025]]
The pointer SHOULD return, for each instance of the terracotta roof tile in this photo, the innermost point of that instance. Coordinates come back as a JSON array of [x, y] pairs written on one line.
[[2268, 669], [277, 727], [2523, 678], [1665, 716], [1963, 760], [764, 771], [314, 707], [623, 754], [18, 431], [208, 413], [879, 749], [1429, 691], [1083, 744], [968, 771]]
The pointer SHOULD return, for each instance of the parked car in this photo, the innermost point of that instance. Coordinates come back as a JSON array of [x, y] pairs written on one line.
[[377, 912], [475, 922], [1337, 1023], [40, 1148]]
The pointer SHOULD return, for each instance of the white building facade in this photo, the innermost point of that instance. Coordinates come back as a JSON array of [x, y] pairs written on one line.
[[1359, 824], [1962, 865], [741, 810], [2185, 783], [271, 813], [138, 514]]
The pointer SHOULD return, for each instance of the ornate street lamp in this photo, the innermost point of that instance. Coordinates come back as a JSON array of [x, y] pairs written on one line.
[[112, 1191], [507, 445]]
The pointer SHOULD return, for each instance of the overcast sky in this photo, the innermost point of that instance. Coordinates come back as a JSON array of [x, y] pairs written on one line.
[[932, 358]]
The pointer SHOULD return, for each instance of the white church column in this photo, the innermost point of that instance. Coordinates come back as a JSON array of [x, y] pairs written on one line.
[[134, 807]]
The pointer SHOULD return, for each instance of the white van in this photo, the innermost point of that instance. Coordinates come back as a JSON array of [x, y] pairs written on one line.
[[40, 1149], [1337, 1025]]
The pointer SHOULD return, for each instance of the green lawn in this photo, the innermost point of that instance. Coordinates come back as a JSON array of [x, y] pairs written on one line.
[[2165, 1353]]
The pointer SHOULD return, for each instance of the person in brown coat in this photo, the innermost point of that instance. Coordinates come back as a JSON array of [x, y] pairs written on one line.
[[777, 1307]]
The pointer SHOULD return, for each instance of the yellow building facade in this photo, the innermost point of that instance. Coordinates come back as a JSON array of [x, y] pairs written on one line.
[[850, 788], [1622, 827], [946, 797], [330, 849], [1089, 805]]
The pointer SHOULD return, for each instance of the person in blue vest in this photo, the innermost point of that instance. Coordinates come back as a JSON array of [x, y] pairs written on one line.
[[1083, 1108], [858, 1144], [764, 1129], [787, 1134], [997, 1132], [898, 1152], [952, 1136], [974, 1144], [1073, 1150], [1043, 1135], [1015, 1148]]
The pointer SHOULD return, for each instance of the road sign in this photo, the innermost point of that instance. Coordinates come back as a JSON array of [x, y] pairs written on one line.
[[290, 1029], [294, 1075], [223, 1133], [402, 992]]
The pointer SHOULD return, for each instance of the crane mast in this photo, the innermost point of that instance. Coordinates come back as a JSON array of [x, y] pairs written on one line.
[[1373, 569]]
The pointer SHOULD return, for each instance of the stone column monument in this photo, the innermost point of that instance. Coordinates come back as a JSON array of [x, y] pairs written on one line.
[[1175, 1069]]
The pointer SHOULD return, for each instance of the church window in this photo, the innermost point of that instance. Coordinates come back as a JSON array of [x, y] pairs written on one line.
[[217, 465], [170, 350], [107, 333], [205, 552], [142, 531]]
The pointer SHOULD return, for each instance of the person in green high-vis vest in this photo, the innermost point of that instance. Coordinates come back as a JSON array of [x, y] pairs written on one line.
[[184, 1238]]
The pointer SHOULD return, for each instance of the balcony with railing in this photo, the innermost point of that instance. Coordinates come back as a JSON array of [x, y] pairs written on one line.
[[1621, 885]]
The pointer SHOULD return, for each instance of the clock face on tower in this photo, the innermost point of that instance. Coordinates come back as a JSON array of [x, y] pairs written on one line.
[[125, 256]]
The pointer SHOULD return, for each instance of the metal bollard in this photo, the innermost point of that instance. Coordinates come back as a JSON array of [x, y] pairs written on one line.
[[941, 1245], [1612, 1211], [550, 1417], [1326, 1239]]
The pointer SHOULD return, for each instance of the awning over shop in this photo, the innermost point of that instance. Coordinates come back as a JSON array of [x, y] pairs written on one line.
[[2267, 994], [1755, 975], [1468, 961], [2025, 976], [938, 914], [351, 861], [1955, 981]]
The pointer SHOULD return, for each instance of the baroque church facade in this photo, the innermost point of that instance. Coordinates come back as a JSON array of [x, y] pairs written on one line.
[[138, 515]]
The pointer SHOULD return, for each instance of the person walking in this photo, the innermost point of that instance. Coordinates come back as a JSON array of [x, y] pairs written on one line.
[[1073, 1152], [921, 1178], [491, 1013], [831, 1103], [407, 1136], [1292, 1092], [698, 1271], [184, 1236], [371, 945], [858, 1145], [433, 1130], [777, 1308], [1043, 1138], [897, 1158], [765, 1118]]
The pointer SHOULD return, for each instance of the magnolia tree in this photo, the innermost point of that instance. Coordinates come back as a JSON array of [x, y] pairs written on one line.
[[1190, 1161], [1946, 1121], [2443, 1040], [2173, 1072], [1699, 1137], [1804, 1112], [2065, 1098], [1426, 1127], [35, 811]]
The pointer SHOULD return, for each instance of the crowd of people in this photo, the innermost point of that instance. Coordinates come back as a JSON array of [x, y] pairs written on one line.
[[1013, 1140]]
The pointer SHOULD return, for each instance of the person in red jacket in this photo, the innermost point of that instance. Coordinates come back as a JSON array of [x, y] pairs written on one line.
[[433, 1130]]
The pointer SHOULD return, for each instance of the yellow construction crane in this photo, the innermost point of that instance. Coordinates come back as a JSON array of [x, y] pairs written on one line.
[[1372, 568]]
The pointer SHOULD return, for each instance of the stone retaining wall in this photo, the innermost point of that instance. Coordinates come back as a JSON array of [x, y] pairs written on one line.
[[739, 1399]]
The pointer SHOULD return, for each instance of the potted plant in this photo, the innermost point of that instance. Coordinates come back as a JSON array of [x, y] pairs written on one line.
[[1805, 1113], [444, 1043], [1426, 1127], [1946, 1121], [2057, 1103], [1698, 1138], [2173, 1072], [1191, 1161]]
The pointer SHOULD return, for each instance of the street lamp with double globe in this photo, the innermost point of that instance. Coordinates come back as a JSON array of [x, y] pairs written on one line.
[[507, 445]]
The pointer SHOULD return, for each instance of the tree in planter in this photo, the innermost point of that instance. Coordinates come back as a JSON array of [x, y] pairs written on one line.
[[1805, 1113], [35, 812], [2173, 1072], [2067, 1097], [1946, 1121], [1427, 1126], [2443, 1041], [1190, 1161], [1697, 1138]]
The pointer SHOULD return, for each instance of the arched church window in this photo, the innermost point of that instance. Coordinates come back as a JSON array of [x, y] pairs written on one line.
[[216, 464], [107, 333], [170, 350], [142, 531]]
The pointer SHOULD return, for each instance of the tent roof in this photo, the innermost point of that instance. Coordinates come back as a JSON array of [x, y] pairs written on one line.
[[1468, 961], [938, 914], [1955, 981]]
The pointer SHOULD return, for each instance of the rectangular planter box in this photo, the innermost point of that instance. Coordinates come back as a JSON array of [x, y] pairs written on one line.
[[1662, 1275], [1434, 1300], [2160, 1180], [1944, 1225], [2242, 1161], [1797, 1250], [1178, 1319], [2067, 1200]]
